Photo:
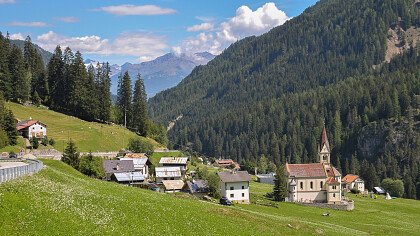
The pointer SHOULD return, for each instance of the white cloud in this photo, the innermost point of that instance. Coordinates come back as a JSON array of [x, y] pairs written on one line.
[[245, 23], [68, 19], [7, 1], [201, 27], [142, 45], [29, 24], [18, 36], [146, 10]]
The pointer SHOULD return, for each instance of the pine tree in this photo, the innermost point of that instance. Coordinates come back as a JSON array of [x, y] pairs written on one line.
[[56, 80], [35, 65], [19, 76], [9, 126], [70, 155], [78, 87], [280, 182], [104, 85], [5, 77], [124, 99], [140, 107]]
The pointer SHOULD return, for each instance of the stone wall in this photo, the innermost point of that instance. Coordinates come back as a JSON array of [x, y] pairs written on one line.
[[343, 206]]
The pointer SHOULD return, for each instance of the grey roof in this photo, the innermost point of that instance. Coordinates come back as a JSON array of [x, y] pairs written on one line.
[[114, 166], [129, 176], [174, 160], [138, 162], [234, 176], [162, 172], [379, 190], [198, 186]]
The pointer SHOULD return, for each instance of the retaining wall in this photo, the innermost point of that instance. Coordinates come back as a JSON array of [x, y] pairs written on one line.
[[7, 174]]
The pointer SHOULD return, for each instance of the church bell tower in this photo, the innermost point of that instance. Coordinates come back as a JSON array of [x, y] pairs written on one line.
[[324, 148]]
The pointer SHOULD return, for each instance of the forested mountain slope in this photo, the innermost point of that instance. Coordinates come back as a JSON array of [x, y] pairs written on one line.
[[270, 95]]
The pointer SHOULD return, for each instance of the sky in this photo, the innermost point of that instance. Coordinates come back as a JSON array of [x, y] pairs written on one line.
[[120, 31]]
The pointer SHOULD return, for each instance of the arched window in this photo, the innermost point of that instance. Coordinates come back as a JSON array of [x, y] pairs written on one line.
[[312, 185], [301, 185], [333, 194], [322, 184]]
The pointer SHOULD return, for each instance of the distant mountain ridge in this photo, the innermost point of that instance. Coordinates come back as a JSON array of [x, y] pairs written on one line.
[[46, 55], [162, 73]]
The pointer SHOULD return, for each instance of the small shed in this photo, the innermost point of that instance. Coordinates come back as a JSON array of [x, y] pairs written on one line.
[[127, 177], [198, 188], [172, 186], [379, 190]]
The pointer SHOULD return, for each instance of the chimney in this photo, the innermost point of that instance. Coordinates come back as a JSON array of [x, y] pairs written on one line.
[[118, 166]]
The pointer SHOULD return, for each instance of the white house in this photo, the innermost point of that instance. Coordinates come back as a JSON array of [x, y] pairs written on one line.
[[315, 182], [32, 128], [168, 173], [140, 164], [234, 185], [351, 181], [180, 162]]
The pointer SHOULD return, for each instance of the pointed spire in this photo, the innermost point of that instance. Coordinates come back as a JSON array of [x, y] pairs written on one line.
[[324, 139]]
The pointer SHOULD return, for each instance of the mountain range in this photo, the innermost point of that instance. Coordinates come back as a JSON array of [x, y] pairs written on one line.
[[161, 73]]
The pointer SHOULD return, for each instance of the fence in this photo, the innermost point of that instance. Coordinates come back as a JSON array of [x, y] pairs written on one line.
[[33, 166]]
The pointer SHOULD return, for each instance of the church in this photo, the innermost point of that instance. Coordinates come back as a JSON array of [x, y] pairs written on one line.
[[315, 182]]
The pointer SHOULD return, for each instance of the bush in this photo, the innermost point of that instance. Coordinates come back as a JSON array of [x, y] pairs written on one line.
[[91, 166], [4, 140], [139, 146], [355, 191], [395, 187], [34, 143], [44, 141], [51, 142]]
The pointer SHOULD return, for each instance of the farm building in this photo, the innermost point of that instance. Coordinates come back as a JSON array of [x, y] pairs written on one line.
[[266, 178], [32, 128], [351, 181], [172, 186], [234, 185], [198, 188], [168, 173], [127, 177], [315, 182], [227, 163], [140, 164], [117, 166], [180, 162], [135, 155]]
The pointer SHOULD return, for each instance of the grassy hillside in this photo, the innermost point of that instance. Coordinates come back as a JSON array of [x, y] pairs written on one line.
[[89, 136], [60, 200]]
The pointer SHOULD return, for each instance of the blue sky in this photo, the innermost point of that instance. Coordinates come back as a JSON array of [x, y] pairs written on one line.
[[121, 31]]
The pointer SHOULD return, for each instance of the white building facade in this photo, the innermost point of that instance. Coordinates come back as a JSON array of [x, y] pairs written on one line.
[[234, 185]]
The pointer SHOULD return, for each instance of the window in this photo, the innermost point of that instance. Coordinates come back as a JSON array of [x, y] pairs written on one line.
[[172, 178], [334, 187], [324, 158], [312, 185], [231, 187], [165, 178], [243, 194], [322, 184], [232, 195], [333, 194], [301, 185], [243, 187]]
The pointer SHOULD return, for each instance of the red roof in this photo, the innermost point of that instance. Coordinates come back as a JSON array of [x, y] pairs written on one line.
[[306, 170], [26, 123], [324, 139], [332, 172], [332, 180], [350, 178]]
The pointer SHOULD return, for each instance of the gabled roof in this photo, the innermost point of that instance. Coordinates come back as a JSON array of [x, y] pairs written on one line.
[[350, 178], [332, 172], [129, 176], [115, 166], [332, 181], [234, 176], [162, 172], [324, 139], [173, 184], [138, 162], [174, 160], [135, 155], [306, 170], [198, 186], [27, 123]]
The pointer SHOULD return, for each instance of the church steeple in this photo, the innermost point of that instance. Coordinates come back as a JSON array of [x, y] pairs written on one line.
[[324, 148]]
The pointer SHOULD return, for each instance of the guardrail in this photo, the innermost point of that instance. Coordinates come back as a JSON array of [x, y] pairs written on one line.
[[33, 166]]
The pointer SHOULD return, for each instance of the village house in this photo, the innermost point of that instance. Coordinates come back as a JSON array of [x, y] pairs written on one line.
[[227, 163], [351, 181], [198, 188], [180, 162], [315, 182], [234, 185], [173, 186], [140, 165], [135, 155], [32, 128], [122, 171], [167, 173]]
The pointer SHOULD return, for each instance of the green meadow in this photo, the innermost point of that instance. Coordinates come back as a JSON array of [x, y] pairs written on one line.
[[59, 200], [89, 136]]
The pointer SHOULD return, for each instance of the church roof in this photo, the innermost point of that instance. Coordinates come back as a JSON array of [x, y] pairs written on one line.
[[332, 180], [324, 139], [306, 170], [332, 172]]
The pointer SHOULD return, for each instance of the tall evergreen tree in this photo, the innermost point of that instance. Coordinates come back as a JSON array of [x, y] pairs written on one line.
[[5, 78], [21, 84], [56, 80], [104, 85], [70, 155], [140, 107], [279, 190], [124, 99]]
